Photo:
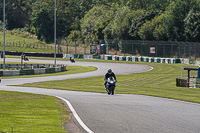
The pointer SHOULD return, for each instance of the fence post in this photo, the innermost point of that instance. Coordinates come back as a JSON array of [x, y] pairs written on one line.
[[164, 50], [184, 50], [108, 46], [149, 50], [179, 50], [189, 51], [84, 47], [171, 49], [67, 46], [124, 47], [132, 49], [75, 46], [116, 47], [141, 49]]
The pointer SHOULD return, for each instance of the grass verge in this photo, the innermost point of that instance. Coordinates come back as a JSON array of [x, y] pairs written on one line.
[[16, 39], [160, 82], [31, 113]]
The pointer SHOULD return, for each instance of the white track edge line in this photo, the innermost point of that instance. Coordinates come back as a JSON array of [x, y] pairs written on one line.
[[76, 115]]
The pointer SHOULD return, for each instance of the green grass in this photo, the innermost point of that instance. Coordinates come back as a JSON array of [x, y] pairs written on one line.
[[16, 39], [160, 82], [26, 49], [31, 113]]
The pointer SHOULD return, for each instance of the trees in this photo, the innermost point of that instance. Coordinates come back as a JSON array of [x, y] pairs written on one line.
[[107, 19], [192, 26], [42, 22]]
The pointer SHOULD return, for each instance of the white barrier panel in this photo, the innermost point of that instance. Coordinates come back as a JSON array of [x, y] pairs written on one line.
[[39, 71], [133, 58], [197, 63], [114, 57], [145, 59], [68, 55], [57, 69], [11, 73], [120, 58], [102, 57], [88, 56], [107, 56], [185, 61]]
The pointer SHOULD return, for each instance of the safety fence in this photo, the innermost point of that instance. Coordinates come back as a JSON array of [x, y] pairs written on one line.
[[128, 58], [168, 49], [30, 69]]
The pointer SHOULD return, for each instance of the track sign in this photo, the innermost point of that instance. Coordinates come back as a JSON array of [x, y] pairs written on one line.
[[152, 50]]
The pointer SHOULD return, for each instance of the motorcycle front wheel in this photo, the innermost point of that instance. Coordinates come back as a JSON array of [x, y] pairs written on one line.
[[112, 89]]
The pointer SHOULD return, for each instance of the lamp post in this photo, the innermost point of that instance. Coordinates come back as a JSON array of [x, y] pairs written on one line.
[[55, 34], [3, 34]]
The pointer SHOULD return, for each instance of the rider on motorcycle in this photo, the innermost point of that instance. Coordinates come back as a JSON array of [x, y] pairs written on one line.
[[109, 74]]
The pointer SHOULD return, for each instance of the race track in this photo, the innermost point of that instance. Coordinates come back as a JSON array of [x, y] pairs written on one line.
[[121, 113]]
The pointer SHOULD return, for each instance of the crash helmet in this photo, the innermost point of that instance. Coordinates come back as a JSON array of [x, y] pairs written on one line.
[[109, 71]]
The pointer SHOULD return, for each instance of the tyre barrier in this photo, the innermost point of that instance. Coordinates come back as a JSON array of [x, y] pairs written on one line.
[[132, 58], [31, 69]]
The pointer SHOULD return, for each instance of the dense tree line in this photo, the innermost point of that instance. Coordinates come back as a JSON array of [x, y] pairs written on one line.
[[166, 20]]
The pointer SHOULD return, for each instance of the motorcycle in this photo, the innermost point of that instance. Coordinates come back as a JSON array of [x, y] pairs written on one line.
[[110, 85]]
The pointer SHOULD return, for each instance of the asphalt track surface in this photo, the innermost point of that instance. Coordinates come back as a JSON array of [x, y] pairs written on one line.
[[121, 113]]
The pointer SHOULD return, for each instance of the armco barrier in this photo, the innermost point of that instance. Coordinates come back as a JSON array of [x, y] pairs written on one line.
[[152, 60], [158, 60], [88, 56], [132, 58], [136, 59], [177, 60], [142, 59], [47, 70], [11, 73], [1, 73], [96, 56], [108, 57], [163, 60], [27, 72], [80, 56], [68, 55], [63, 69], [39, 70]]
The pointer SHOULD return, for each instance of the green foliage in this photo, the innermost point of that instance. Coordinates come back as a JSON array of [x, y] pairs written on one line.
[[106, 19], [118, 27], [42, 22], [155, 29], [95, 21], [192, 26], [139, 21]]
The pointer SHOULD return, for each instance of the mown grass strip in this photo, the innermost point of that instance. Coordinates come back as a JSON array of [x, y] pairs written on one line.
[[31, 113]]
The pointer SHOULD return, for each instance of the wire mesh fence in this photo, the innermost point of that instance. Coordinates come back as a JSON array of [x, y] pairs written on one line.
[[121, 47], [133, 47]]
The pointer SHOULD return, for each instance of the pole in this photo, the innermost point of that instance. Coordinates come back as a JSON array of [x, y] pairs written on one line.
[[55, 34], [3, 34]]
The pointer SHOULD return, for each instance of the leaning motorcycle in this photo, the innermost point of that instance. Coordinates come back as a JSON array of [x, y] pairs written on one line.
[[110, 85]]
